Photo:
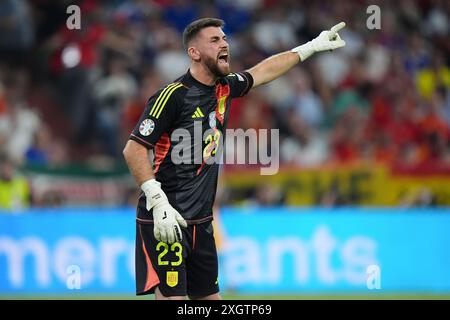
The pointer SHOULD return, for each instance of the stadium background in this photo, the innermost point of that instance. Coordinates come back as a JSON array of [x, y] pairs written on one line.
[[364, 147]]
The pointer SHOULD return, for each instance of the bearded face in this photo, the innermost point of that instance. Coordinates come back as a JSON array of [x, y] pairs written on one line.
[[212, 51], [219, 65]]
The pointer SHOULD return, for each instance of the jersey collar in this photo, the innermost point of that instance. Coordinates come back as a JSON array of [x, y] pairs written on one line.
[[197, 83]]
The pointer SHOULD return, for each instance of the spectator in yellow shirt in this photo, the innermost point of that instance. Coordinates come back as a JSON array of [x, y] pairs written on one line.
[[14, 188], [438, 74]]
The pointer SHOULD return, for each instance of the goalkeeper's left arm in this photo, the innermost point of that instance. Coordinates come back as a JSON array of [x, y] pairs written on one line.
[[276, 65]]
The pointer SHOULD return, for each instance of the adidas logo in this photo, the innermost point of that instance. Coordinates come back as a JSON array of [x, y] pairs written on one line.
[[198, 114]]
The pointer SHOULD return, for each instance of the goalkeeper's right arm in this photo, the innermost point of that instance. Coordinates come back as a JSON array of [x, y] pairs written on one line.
[[166, 219]]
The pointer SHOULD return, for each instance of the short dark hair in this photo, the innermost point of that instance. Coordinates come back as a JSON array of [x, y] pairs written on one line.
[[191, 31]]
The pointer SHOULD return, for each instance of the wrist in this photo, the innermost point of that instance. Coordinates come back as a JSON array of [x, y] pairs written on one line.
[[152, 190], [305, 50], [150, 184]]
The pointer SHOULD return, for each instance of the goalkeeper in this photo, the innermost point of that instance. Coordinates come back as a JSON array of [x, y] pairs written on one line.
[[176, 255]]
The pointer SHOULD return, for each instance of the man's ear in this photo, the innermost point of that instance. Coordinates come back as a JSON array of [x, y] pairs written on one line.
[[193, 53]]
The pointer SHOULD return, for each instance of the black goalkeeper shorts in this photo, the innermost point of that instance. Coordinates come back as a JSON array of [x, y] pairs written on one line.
[[179, 269]]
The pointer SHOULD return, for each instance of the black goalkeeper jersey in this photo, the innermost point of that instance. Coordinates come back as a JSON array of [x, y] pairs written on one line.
[[183, 158]]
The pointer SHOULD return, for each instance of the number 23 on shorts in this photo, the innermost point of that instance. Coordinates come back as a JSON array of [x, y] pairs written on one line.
[[163, 248]]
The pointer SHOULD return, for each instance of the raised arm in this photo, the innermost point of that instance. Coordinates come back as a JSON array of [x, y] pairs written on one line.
[[277, 65]]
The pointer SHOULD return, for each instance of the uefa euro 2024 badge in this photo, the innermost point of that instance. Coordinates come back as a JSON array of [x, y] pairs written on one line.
[[146, 127], [212, 119]]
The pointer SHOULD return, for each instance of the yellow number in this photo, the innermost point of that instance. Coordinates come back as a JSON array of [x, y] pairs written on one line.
[[176, 247], [162, 262], [216, 141], [177, 253], [212, 142], [207, 150]]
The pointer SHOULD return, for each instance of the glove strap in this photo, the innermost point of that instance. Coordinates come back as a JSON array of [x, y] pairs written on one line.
[[305, 50], [153, 192]]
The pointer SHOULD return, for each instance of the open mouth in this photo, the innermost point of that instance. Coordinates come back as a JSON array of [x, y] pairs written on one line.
[[223, 58]]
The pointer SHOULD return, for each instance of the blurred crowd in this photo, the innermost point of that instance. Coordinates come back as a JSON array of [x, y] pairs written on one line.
[[75, 95]]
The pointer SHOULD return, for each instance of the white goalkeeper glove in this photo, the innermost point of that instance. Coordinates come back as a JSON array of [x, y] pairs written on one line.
[[166, 219], [327, 40]]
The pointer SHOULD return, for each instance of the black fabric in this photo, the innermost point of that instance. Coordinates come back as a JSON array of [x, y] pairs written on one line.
[[187, 104], [194, 261]]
